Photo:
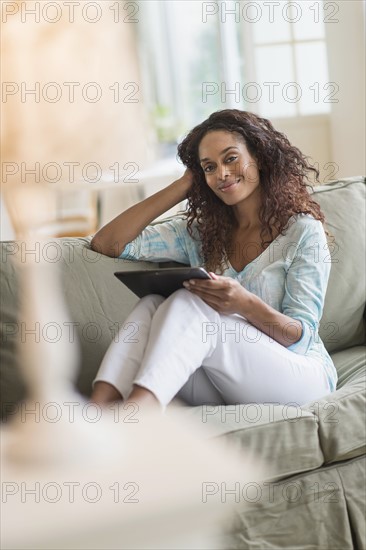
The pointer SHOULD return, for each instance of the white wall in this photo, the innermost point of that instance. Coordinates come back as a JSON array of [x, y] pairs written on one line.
[[311, 134], [346, 56]]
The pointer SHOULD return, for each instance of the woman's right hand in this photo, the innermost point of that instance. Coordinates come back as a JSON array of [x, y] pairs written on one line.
[[185, 181]]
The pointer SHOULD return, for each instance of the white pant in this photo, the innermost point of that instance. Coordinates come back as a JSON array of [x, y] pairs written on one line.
[[180, 346]]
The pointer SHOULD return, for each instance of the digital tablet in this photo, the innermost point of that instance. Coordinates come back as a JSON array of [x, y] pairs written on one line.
[[163, 281]]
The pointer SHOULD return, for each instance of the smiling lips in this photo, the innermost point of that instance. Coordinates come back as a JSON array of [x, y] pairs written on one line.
[[228, 185]]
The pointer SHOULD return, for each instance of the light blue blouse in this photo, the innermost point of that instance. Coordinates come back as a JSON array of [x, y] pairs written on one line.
[[290, 275]]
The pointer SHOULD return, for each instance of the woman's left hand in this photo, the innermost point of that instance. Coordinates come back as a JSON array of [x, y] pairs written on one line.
[[224, 294]]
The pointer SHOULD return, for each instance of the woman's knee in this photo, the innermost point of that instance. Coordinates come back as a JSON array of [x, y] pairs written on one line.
[[184, 295], [151, 301], [182, 298]]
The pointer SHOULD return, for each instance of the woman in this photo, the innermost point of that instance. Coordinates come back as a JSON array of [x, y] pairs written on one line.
[[251, 333]]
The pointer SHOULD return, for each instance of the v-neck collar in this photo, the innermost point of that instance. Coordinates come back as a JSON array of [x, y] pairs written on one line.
[[258, 258]]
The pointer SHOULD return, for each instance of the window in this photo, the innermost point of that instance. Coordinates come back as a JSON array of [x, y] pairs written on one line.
[[177, 54], [290, 63], [197, 57]]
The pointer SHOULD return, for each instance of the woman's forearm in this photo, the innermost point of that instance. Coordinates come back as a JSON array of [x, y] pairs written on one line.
[[113, 237], [280, 327]]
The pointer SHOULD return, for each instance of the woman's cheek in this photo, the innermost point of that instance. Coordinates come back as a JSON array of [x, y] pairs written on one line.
[[251, 172]]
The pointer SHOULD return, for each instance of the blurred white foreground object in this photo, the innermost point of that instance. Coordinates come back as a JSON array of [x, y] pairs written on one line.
[[77, 476]]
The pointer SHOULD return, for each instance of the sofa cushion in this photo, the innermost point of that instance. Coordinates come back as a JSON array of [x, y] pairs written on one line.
[[266, 431], [350, 365], [342, 414], [323, 509], [343, 203]]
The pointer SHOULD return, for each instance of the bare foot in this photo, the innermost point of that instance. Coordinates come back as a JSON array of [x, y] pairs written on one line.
[[143, 397], [104, 393]]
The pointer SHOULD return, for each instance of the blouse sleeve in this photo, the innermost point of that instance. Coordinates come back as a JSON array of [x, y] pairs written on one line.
[[306, 283], [160, 242]]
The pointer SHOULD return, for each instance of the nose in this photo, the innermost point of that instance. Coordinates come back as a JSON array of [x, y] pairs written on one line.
[[223, 171]]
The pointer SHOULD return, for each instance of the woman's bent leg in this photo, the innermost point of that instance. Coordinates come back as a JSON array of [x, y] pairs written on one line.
[[176, 349], [124, 355], [249, 366], [177, 336], [243, 364], [200, 390]]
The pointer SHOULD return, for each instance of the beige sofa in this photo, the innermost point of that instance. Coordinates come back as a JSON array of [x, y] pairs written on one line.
[[314, 492]]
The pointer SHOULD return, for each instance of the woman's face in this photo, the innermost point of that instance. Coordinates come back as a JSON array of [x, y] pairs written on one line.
[[230, 171]]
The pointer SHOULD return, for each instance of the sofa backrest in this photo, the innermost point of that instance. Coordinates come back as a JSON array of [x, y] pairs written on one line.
[[343, 321]]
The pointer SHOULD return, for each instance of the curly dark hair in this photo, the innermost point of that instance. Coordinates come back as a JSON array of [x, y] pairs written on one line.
[[284, 181]]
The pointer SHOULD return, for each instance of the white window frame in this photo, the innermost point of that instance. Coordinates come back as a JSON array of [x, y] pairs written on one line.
[[249, 49]]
